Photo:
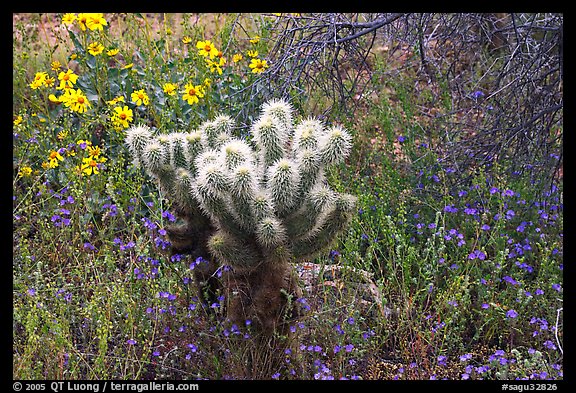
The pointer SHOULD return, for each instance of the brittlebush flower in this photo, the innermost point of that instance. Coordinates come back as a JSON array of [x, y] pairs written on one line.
[[216, 66], [258, 66], [92, 21], [170, 88], [186, 40], [38, 80], [193, 93], [55, 65], [255, 39], [140, 97], [68, 18], [75, 100], [95, 48], [237, 57], [89, 166], [18, 120], [25, 171], [122, 117], [113, 52], [115, 100], [252, 53], [96, 21], [53, 159], [67, 79], [206, 48]]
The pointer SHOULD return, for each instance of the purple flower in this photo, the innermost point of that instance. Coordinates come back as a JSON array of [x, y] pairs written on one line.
[[508, 193], [477, 94], [401, 138], [131, 341], [556, 287], [442, 360], [511, 313]]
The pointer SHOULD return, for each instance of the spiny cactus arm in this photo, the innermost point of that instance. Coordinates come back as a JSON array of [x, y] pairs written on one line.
[[317, 203], [311, 172], [137, 137], [282, 185], [335, 146], [243, 190], [236, 152], [270, 139], [182, 192], [306, 135], [282, 111], [333, 224], [227, 248], [270, 233], [192, 145], [178, 144], [217, 132]]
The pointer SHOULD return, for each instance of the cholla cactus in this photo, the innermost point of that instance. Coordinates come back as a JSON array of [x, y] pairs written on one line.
[[267, 203]]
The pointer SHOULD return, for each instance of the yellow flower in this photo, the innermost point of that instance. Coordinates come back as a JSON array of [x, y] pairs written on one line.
[[207, 83], [170, 88], [193, 93], [25, 171], [122, 117], [53, 159], [39, 79], [252, 53], [54, 99], [89, 166], [94, 151], [237, 57], [115, 100], [258, 66], [127, 66], [206, 48], [18, 120], [255, 40], [93, 21], [140, 97], [49, 82], [55, 65], [45, 165], [75, 100], [82, 19], [186, 40], [96, 21], [216, 66], [113, 52], [62, 134], [68, 18], [67, 79], [95, 48]]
